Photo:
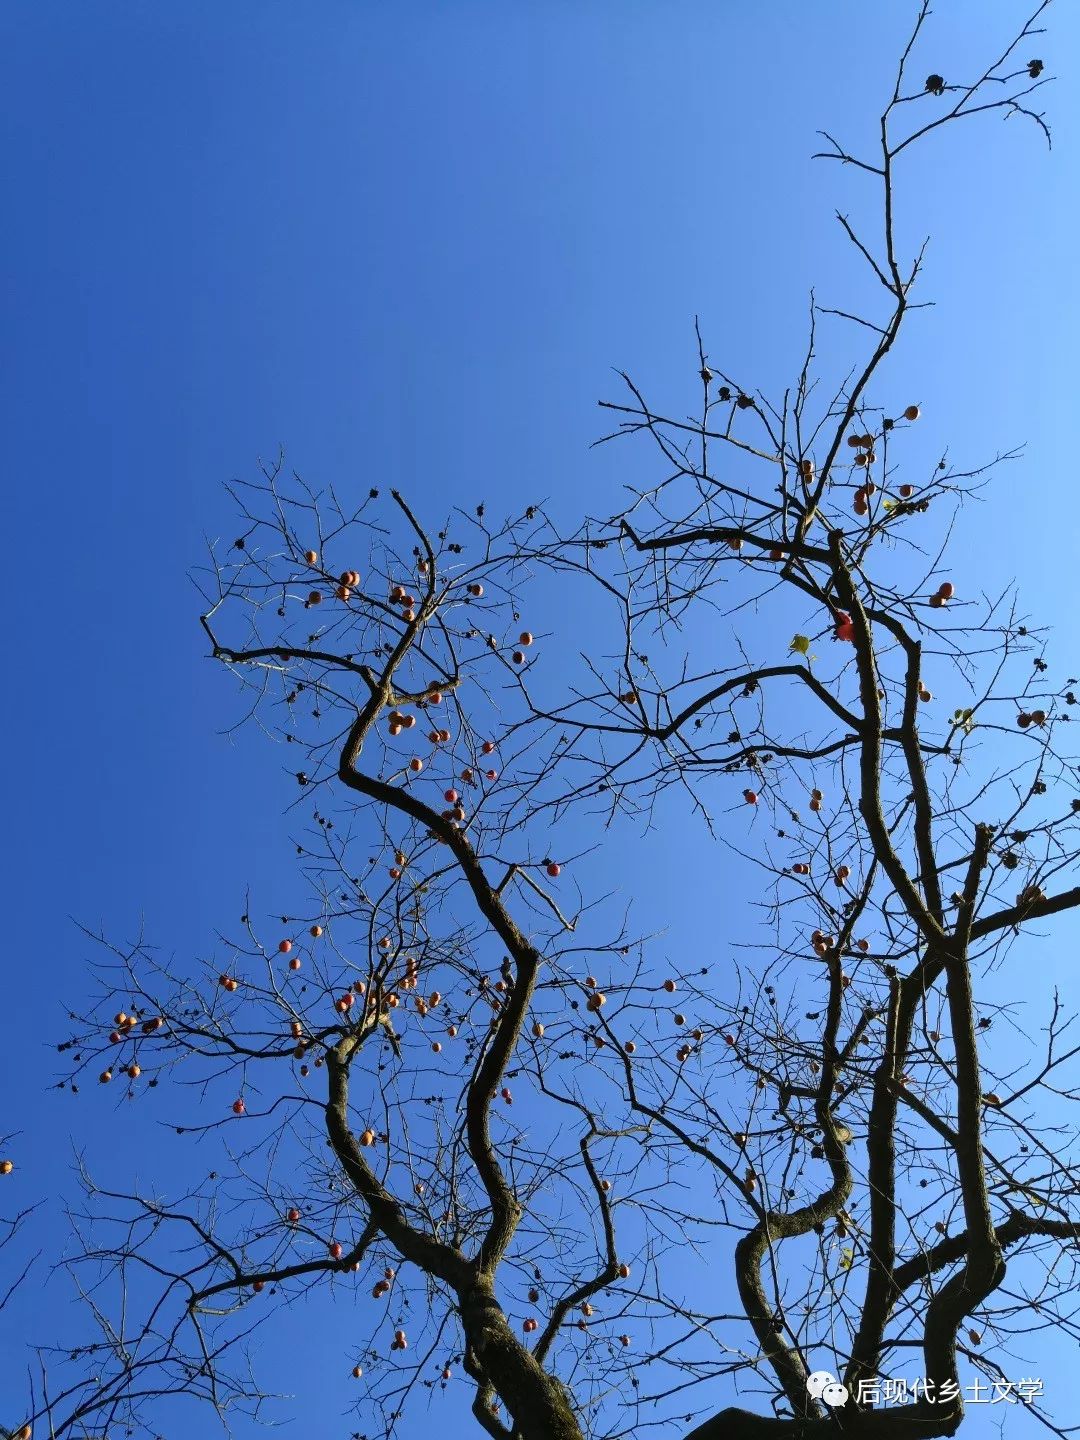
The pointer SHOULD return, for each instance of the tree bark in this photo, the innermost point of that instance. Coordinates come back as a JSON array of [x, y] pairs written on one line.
[[537, 1402]]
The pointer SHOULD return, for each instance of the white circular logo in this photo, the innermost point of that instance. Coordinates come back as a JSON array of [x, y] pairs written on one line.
[[835, 1394], [816, 1383]]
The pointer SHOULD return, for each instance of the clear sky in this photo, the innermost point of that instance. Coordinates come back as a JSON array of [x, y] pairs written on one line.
[[410, 242]]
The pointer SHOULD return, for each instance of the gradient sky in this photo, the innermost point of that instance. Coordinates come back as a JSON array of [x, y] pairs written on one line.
[[410, 242]]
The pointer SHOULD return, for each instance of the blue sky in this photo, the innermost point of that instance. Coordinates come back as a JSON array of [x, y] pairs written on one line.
[[410, 243]]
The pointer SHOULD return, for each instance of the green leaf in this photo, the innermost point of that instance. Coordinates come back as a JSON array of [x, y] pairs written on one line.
[[847, 1259], [800, 645]]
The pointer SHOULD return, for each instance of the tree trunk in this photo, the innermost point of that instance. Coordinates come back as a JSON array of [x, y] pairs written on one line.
[[537, 1402]]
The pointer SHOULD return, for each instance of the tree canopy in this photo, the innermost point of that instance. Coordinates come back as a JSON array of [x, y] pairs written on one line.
[[460, 1093]]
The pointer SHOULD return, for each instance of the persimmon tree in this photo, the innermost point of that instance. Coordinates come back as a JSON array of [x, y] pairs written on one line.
[[461, 1087]]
